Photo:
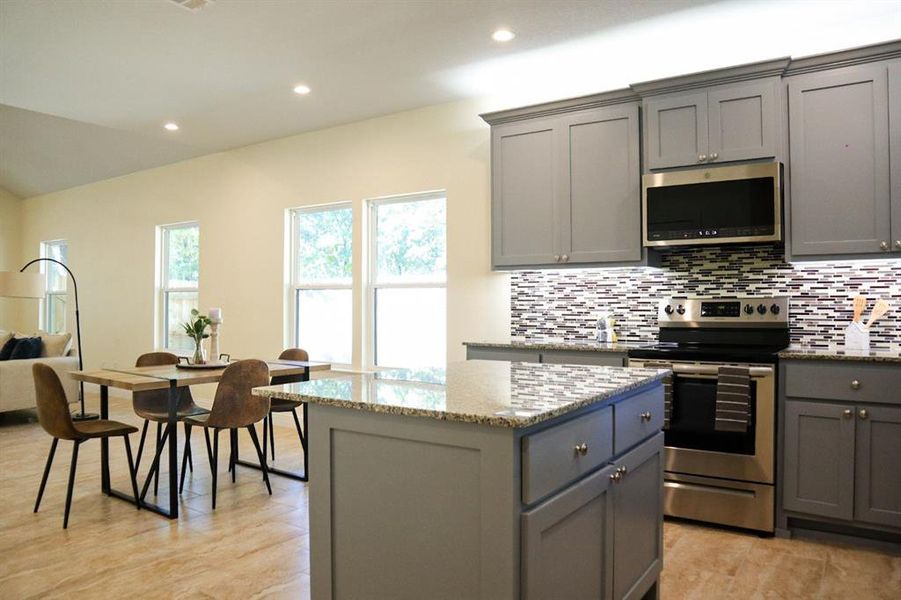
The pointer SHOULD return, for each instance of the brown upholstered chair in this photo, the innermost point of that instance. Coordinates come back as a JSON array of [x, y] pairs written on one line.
[[54, 416], [235, 407], [153, 405], [280, 405]]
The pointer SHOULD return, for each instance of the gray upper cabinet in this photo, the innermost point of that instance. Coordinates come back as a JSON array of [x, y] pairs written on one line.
[[714, 125], [877, 478], [839, 149], [894, 109], [525, 193]]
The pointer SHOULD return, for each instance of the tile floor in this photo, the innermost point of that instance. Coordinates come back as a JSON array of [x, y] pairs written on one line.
[[256, 546]]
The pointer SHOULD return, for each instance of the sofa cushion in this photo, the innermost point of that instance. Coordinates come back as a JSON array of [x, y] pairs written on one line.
[[54, 345], [8, 348], [26, 348], [5, 336]]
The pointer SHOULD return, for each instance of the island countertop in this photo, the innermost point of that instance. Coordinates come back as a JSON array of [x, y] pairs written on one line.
[[495, 393]]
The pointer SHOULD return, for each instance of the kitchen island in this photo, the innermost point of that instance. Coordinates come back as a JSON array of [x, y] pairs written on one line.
[[486, 479]]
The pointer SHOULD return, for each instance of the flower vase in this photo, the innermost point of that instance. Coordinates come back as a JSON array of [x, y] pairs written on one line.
[[199, 357]]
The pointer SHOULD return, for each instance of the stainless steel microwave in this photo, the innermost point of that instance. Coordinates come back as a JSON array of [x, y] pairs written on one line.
[[716, 205]]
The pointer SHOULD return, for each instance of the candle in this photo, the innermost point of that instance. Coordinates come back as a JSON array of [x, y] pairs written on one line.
[[216, 315]]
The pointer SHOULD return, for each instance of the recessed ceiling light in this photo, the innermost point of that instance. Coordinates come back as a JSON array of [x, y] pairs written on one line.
[[302, 89], [171, 126], [503, 35]]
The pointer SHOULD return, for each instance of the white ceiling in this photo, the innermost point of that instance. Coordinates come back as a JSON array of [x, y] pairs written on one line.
[[87, 85]]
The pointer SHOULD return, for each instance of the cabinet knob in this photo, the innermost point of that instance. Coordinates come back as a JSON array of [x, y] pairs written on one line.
[[898, 244], [615, 477], [863, 414], [556, 258], [622, 471], [645, 416], [564, 258], [702, 157], [855, 385], [714, 156], [847, 413], [581, 449], [883, 245]]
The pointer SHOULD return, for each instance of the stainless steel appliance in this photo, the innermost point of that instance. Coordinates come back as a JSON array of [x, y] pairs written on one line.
[[724, 477], [715, 205]]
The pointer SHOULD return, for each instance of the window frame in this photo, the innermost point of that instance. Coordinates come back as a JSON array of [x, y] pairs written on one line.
[[163, 289], [373, 285], [295, 287], [45, 319]]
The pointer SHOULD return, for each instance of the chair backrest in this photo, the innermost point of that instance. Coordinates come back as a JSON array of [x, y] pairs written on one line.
[[234, 405], [53, 408], [157, 400], [292, 354], [156, 359]]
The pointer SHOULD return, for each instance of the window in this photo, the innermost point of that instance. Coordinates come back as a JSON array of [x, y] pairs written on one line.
[[179, 277], [53, 317], [408, 275], [322, 281]]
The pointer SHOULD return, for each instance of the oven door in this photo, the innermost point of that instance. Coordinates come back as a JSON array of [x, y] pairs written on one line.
[[694, 447]]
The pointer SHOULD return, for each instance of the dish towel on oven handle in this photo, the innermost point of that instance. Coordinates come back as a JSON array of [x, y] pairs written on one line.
[[667, 391], [733, 399]]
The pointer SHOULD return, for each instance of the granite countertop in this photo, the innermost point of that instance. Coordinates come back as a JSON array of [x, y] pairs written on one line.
[[889, 354], [586, 346], [495, 393]]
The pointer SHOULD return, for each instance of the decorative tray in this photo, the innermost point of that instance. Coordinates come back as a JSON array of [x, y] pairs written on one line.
[[209, 365]]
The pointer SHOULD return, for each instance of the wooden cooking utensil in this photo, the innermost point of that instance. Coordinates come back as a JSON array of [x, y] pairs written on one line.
[[879, 309], [860, 303]]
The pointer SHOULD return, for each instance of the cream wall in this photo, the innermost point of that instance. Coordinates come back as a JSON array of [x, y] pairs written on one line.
[[10, 241], [239, 197]]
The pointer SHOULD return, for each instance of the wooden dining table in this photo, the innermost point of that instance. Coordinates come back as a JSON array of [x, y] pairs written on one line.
[[170, 377]]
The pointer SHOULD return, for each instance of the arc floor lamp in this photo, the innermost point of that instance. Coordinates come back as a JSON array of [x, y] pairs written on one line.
[[28, 285]]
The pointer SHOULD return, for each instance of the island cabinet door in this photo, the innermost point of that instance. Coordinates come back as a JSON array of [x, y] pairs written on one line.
[[638, 519], [877, 475], [566, 543]]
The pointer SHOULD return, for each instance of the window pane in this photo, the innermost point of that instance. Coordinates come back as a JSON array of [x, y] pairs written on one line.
[[183, 253], [410, 327], [410, 241], [56, 313], [56, 275], [178, 311], [325, 324], [323, 246]]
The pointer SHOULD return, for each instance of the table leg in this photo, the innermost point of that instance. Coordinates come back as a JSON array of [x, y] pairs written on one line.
[[173, 450], [104, 442]]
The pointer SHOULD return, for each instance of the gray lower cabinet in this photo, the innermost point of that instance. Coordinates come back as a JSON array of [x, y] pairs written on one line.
[[877, 476], [839, 148], [601, 537], [713, 125]]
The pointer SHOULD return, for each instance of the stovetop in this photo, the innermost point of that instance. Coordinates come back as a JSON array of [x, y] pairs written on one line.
[[708, 352]]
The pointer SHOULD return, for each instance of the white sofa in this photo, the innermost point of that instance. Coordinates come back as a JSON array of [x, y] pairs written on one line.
[[17, 382]]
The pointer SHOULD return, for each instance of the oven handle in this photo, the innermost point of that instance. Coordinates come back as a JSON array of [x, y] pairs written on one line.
[[714, 370]]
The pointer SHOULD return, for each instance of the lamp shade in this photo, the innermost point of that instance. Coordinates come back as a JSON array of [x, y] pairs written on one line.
[[21, 285]]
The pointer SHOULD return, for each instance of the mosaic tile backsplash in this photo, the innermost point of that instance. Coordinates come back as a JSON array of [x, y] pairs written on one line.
[[564, 304]]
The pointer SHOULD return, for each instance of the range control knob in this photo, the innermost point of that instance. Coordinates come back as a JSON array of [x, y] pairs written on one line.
[[761, 309], [669, 309], [749, 310], [775, 309], [681, 310]]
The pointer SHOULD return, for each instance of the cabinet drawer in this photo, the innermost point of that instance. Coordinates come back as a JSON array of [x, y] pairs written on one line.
[[603, 359], [550, 459], [842, 380], [637, 418]]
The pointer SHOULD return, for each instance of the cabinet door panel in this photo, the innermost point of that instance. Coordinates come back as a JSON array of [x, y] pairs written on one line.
[[819, 459], [742, 121], [524, 195], [838, 127], [894, 107], [676, 129], [877, 475], [601, 222], [566, 543], [637, 520]]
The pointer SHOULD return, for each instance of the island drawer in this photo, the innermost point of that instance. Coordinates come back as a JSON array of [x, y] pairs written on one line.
[[554, 457], [637, 418], [843, 380]]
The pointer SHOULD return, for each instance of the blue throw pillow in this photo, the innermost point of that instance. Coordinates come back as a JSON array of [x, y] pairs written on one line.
[[8, 347], [26, 348]]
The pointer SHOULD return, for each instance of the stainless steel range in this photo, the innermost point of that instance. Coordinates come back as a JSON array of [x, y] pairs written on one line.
[[719, 468]]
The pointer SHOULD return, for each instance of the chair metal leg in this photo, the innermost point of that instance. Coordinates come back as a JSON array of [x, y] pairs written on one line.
[[209, 447], [71, 482], [132, 472], [159, 448], [265, 437], [232, 442], [187, 451], [37, 503], [141, 445], [214, 460], [155, 465], [272, 434], [185, 457], [300, 432], [256, 444]]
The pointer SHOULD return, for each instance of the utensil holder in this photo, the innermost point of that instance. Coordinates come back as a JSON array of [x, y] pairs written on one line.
[[857, 337]]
